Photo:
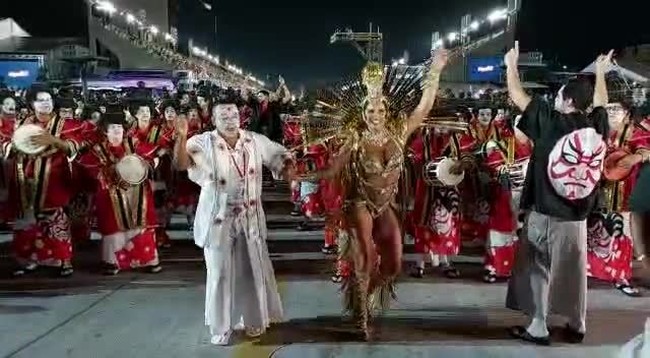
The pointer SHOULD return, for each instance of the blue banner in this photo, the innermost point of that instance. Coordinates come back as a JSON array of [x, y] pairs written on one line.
[[19, 73]]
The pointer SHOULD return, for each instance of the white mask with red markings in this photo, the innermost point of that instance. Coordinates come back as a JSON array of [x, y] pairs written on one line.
[[226, 119], [575, 163]]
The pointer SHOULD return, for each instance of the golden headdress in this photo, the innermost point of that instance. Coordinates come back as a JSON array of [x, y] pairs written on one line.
[[339, 107]]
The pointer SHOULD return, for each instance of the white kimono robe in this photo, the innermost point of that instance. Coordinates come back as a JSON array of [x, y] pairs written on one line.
[[232, 229]]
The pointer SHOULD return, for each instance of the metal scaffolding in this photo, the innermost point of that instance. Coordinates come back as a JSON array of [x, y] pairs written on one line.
[[369, 44]]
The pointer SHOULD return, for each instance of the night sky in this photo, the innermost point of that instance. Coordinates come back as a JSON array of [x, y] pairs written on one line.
[[291, 37]]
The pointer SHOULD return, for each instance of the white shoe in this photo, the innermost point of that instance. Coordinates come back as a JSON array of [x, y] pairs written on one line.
[[221, 339]]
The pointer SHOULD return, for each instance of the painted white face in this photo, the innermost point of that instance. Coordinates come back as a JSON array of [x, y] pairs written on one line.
[[185, 99], [43, 103], [66, 113], [115, 133], [170, 114], [226, 119], [9, 106], [201, 101], [484, 116], [144, 116], [575, 163], [616, 115]]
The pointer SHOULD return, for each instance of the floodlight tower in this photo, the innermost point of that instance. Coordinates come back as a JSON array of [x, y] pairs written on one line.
[[369, 44]]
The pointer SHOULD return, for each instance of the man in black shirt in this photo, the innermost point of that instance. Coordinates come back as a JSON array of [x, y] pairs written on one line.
[[559, 192]]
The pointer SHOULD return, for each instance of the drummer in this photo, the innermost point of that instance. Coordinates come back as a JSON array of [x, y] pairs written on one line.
[[505, 159], [127, 208], [436, 214], [42, 227]]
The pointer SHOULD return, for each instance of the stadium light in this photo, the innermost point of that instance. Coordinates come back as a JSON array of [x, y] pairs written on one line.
[[497, 15], [106, 6], [452, 36], [401, 61], [154, 30], [474, 25], [130, 18]]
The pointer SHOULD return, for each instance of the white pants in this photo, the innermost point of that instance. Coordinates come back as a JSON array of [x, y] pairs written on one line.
[[231, 293]]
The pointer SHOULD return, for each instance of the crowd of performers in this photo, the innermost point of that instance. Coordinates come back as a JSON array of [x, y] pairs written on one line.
[[483, 209], [458, 184], [54, 196]]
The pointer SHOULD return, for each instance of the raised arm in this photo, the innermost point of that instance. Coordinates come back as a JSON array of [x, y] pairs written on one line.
[[430, 86], [515, 90], [603, 63]]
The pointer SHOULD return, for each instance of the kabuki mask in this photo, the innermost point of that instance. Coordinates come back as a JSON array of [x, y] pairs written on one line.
[[170, 114], [43, 103], [444, 210], [484, 116], [617, 115], [9, 106], [115, 133], [602, 231], [575, 163], [144, 117], [226, 120]]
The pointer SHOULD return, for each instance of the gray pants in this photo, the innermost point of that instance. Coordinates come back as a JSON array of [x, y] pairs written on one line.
[[550, 273]]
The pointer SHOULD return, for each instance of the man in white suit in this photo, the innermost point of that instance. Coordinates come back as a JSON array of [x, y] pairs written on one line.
[[230, 225]]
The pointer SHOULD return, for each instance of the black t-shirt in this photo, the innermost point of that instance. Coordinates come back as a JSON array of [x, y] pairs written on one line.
[[564, 171]]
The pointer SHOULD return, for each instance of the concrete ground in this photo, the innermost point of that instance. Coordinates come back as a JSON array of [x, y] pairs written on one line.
[[142, 315]]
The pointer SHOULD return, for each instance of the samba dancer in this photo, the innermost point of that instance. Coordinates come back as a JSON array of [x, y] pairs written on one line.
[[610, 235], [42, 147], [230, 224], [370, 161], [125, 206], [436, 215]]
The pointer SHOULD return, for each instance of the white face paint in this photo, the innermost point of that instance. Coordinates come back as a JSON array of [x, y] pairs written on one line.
[[575, 164], [9, 106], [144, 116], [484, 116], [226, 119], [115, 133], [170, 114], [43, 103], [201, 101]]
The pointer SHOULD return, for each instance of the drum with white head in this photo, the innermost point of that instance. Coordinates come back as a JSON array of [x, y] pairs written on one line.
[[132, 169], [22, 139], [438, 173]]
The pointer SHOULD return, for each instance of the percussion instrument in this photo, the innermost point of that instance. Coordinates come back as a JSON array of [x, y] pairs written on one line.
[[611, 170], [517, 173], [437, 173], [452, 124], [132, 169], [22, 139]]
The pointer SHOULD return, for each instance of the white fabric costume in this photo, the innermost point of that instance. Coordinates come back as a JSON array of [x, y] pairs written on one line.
[[231, 228]]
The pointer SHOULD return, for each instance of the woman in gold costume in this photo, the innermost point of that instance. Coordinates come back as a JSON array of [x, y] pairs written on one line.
[[369, 164]]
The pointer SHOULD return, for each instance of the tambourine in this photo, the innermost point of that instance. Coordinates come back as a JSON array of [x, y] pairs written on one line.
[[438, 173], [22, 139], [132, 169], [611, 170]]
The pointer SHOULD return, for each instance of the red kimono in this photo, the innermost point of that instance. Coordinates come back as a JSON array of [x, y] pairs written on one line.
[[475, 189], [504, 203], [161, 136], [41, 189], [6, 169], [610, 246], [128, 217], [436, 215], [186, 195]]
